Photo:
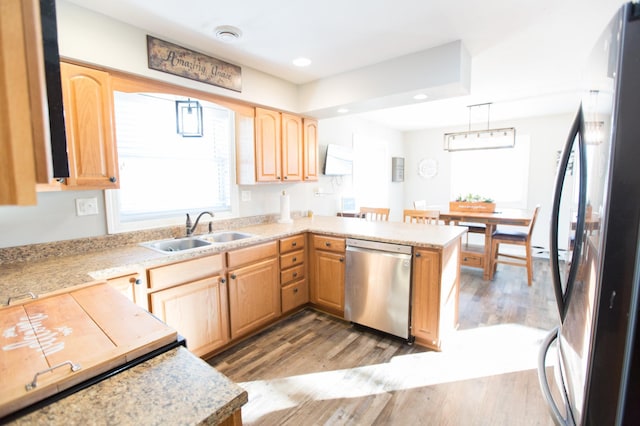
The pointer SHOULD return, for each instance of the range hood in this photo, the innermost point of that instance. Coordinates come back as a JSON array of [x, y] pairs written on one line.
[[59, 158]]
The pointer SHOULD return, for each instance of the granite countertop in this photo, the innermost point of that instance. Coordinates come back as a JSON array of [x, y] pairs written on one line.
[[174, 388], [64, 271]]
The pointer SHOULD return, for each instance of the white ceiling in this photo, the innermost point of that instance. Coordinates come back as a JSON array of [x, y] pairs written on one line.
[[526, 55]]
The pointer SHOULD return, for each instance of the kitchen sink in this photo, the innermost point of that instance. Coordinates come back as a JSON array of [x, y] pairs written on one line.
[[227, 236], [177, 244]]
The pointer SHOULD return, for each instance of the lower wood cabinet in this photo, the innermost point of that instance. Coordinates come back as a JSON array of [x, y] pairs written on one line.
[[191, 296], [198, 311], [254, 289], [436, 286], [328, 263], [293, 277], [126, 285]]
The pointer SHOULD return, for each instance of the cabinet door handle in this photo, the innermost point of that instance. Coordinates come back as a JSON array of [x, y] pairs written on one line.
[[293, 244], [286, 177], [342, 259], [233, 276], [137, 281], [112, 179], [327, 243], [278, 177], [295, 290], [417, 254]]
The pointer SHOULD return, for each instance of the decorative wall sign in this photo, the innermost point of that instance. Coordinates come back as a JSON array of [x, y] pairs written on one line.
[[173, 59]]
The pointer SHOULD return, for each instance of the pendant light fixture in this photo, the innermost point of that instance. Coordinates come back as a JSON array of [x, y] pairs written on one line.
[[189, 118], [480, 139]]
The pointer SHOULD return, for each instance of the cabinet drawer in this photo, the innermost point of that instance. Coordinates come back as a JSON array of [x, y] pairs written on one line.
[[291, 274], [291, 259], [252, 254], [472, 259], [291, 243], [294, 295], [323, 242], [184, 272]]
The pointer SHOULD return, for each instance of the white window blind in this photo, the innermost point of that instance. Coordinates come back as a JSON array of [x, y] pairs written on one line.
[[163, 174]]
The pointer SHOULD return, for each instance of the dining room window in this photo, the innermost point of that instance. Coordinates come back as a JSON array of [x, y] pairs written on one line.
[[165, 173], [499, 174]]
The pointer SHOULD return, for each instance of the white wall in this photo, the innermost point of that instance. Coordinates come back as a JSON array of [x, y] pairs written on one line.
[[97, 39], [547, 135], [94, 38], [54, 217]]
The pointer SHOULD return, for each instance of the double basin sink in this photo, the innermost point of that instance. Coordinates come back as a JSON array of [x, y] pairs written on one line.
[[190, 243]]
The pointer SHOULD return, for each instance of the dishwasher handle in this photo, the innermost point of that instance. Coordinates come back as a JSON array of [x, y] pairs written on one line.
[[378, 252]]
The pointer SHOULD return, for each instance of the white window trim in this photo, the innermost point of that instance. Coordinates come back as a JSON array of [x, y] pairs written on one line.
[[115, 226]]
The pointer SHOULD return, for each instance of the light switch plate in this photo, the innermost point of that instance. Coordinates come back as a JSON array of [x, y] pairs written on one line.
[[86, 206]]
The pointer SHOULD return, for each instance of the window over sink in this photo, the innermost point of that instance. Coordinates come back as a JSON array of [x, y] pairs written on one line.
[[165, 173]]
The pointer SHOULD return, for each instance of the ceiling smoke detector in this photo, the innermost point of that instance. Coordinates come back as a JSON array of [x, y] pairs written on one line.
[[227, 33]]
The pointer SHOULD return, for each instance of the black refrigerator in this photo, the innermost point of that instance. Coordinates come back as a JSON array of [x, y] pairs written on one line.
[[594, 242]]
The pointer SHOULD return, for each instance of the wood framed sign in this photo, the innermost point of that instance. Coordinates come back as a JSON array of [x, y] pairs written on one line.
[[173, 59]]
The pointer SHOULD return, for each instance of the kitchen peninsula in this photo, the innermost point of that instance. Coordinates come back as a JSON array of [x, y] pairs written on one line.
[[437, 260]]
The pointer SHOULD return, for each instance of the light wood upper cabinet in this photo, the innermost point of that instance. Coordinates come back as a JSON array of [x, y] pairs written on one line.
[[310, 150], [88, 105], [292, 148], [24, 142], [285, 149], [268, 146]]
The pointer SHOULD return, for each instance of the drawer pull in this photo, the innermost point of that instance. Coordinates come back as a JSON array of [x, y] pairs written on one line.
[[294, 259], [34, 382], [295, 274], [327, 243], [233, 276], [293, 244], [295, 290]]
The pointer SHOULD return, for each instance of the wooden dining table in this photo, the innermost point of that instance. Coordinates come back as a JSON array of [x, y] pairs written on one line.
[[484, 222]]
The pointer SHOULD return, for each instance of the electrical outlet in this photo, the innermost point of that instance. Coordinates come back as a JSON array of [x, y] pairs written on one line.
[[86, 206], [246, 195]]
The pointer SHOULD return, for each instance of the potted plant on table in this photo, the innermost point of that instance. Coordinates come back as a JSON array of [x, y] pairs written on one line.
[[473, 203]]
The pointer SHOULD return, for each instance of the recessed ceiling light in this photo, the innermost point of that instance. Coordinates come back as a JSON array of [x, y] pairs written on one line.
[[302, 62], [228, 33], [420, 96], [342, 110]]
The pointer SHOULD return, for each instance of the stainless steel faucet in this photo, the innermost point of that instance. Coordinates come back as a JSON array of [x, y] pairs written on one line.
[[191, 228]]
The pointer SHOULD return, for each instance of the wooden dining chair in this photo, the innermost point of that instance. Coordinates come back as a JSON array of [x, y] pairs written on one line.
[[375, 213], [514, 238], [421, 216], [420, 204]]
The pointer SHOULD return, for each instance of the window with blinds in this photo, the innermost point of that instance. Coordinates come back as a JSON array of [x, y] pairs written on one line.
[[163, 174]]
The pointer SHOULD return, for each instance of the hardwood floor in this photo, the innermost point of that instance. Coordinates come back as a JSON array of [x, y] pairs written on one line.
[[314, 369]]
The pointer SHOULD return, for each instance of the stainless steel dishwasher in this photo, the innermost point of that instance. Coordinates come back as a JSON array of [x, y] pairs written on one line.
[[378, 286]]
